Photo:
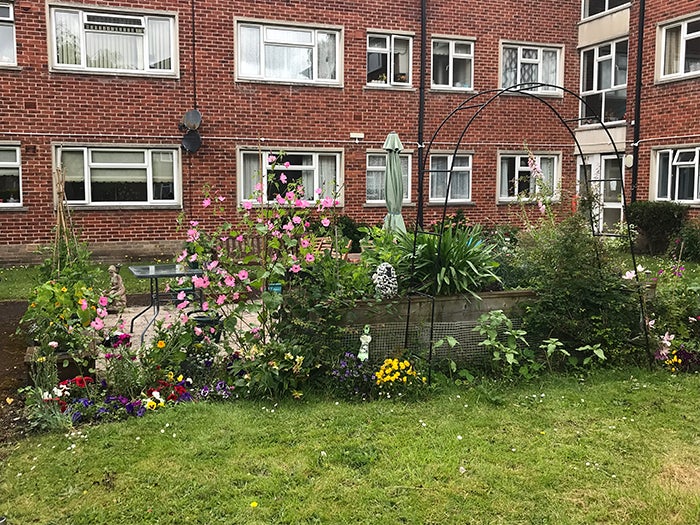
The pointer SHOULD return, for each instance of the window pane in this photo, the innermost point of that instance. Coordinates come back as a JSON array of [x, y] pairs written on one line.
[[510, 66], [117, 157], [547, 166], [692, 55], [549, 68], [662, 176], [615, 105], [378, 42], [507, 177], [441, 63], [375, 186], [288, 36], [73, 164], [377, 161], [327, 56], [604, 74], [463, 48], [612, 188], [249, 50], [686, 183], [621, 63], [438, 176], [462, 73], [7, 44], [404, 172], [288, 63], [588, 70], [594, 7], [459, 187], [377, 67], [328, 174], [401, 60], [8, 155], [250, 175], [672, 50], [67, 37], [114, 50], [163, 175], [159, 49], [593, 107]]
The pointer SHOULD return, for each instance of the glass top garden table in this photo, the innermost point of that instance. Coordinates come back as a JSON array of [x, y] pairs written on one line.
[[155, 272]]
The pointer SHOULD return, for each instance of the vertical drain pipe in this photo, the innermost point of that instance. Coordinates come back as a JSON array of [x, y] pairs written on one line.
[[637, 100]]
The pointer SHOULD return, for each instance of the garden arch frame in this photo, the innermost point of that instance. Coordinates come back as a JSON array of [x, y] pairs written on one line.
[[478, 103]]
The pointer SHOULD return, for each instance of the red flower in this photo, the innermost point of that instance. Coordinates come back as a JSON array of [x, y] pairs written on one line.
[[82, 381], [172, 397]]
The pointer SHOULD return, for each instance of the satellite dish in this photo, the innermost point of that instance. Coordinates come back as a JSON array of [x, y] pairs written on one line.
[[192, 141], [192, 119]]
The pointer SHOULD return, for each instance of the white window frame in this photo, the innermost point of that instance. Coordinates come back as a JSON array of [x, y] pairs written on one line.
[[521, 48], [12, 166], [267, 40], [604, 193], [451, 164], [9, 22], [453, 55], [392, 77], [97, 21], [608, 5], [147, 165], [257, 176], [598, 62], [679, 62], [675, 162], [380, 171], [521, 166]]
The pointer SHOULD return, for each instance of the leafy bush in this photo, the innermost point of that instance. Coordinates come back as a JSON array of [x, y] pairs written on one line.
[[581, 297], [657, 221], [686, 245], [460, 262]]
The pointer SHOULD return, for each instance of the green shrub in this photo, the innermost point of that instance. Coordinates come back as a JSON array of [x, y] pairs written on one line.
[[581, 298], [686, 245], [657, 221]]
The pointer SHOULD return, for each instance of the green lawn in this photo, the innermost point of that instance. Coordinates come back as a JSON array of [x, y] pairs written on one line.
[[616, 447]]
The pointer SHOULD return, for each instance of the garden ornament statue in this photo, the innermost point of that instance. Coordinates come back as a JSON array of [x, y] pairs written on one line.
[[385, 282], [117, 292], [365, 340]]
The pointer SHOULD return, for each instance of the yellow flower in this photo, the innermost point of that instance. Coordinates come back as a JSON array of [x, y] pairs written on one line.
[[150, 404], [160, 344], [64, 289], [180, 378], [41, 359], [253, 504], [170, 376], [296, 394], [9, 400]]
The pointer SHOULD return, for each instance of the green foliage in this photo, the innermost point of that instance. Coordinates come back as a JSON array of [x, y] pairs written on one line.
[[351, 230], [686, 246], [581, 299], [43, 414], [657, 221], [458, 263]]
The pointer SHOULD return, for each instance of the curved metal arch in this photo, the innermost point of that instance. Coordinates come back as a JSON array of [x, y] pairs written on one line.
[[491, 95]]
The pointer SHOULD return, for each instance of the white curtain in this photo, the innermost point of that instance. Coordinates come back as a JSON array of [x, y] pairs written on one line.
[[112, 50], [68, 36], [159, 48], [249, 54], [510, 67], [328, 175], [672, 51]]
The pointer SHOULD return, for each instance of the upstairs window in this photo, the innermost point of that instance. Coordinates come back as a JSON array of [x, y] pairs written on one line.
[[315, 174], [376, 177], [8, 53], [461, 183], [288, 54], [523, 64], [453, 64], [10, 180], [389, 60], [677, 175], [113, 42], [108, 176], [594, 7], [681, 49], [604, 82], [516, 179]]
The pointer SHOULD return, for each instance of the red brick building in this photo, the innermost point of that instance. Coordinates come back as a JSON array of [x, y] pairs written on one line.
[[99, 89]]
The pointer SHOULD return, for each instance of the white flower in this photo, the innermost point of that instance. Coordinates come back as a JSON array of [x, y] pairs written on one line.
[[629, 275]]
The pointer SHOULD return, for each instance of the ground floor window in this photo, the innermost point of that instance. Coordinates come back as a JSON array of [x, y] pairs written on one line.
[[376, 177], [603, 193], [10, 179], [460, 185], [521, 177], [106, 176], [311, 174], [677, 175]]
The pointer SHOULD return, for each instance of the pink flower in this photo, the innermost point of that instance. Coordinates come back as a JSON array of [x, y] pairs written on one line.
[[212, 265], [194, 224], [326, 223], [247, 205], [183, 305], [200, 282], [271, 159], [192, 235], [283, 178], [182, 256], [221, 299], [288, 227], [289, 196], [295, 268], [310, 257], [83, 304], [230, 281], [181, 296], [304, 243], [667, 338], [280, 199], [53, 344], [239, 238], [243, 275], [97, 324], [197, 330], [103, 301], [296, 219], [221, 198], [318, 191], [206, 202], [102, 312], [205, 306], [327, 202], [236, 296], [286, 164], [258, 186]]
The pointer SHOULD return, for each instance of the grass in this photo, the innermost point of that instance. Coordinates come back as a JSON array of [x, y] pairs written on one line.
[[17, 282], [617, 447]]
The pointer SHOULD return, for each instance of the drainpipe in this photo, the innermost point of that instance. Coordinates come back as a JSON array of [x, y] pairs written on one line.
[[421, 109], [637, 101]]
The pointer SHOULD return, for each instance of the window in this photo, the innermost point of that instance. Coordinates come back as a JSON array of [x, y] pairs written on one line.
[[604, 82], [113, 42], [529, 64], [288, 54], [594, 7], [460, 185], [317, 174], [681, 49], [453, 64], [10, 180], [8, 55], [389, 60], [603, 196], [518, 180], [677, 175], [105, 176], [376, 177]]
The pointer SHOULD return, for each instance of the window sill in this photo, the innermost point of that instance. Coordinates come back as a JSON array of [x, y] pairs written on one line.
[[447, 89], [435, 204], [123, 206], [387, 87], [523, 93], [383, 205], [5, 207], [10, 67], [269, 82], [596, 125], [677, 78], [129, 74]]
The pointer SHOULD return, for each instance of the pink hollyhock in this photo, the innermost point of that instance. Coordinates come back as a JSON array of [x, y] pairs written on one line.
[[296, 219], [194, 224], [206, 203], [212, 265], [247, 205], [287, 164], [326, 223], [283, 178], [271, 159], [205, 306], [197, 330]]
